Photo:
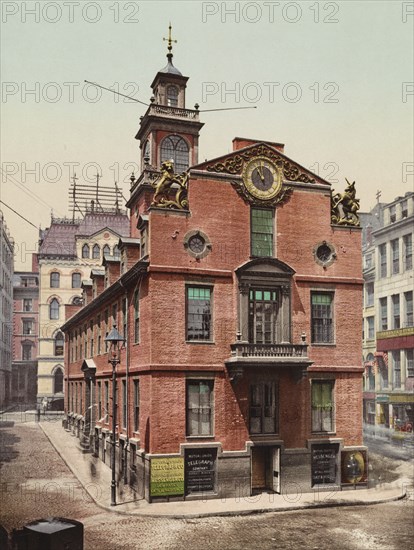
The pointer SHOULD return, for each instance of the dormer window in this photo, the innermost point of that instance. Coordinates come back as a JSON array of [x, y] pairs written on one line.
[[175, 148], [96, 252], [106, 250], [172, 96]]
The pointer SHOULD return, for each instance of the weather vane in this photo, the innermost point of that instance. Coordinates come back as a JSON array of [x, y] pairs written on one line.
[[169, 39]]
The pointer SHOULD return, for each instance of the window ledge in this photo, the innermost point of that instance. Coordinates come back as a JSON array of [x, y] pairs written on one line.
[[329, 434], [207, 342], [192, 437]]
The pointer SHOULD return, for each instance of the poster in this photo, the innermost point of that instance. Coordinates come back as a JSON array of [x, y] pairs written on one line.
[[200, 470], [324, 468], [167, 477]]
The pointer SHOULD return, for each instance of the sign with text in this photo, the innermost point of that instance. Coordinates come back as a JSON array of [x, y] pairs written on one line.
[[324, 460], [167, 477], [200, 470]]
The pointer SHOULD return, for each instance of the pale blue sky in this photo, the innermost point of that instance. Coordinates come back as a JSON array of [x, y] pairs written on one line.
[[350, 118]]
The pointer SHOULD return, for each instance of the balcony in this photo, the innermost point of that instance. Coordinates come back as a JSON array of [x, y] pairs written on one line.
[[284, 355], [167, 111]]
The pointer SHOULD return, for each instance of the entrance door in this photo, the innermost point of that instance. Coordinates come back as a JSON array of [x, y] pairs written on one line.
[[259, 459], [276, 470], [265, 468]]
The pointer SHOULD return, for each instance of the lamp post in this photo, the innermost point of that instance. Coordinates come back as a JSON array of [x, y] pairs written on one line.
[[115, 341]]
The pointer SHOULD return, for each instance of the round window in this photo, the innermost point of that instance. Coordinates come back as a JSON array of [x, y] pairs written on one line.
[[196, 244], [323, 252]]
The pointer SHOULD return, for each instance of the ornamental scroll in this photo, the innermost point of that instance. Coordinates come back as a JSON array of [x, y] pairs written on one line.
[[344, 207], [164, 185], [234, 164]]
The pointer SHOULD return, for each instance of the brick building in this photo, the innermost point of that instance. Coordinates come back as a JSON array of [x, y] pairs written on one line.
[[240, 301], [6, 310], [25, 334]]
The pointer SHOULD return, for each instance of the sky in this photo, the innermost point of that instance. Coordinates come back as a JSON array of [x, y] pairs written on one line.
[[333, 81]]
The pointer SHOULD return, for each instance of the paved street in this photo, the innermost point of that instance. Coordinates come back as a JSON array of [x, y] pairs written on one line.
[[36, 483]]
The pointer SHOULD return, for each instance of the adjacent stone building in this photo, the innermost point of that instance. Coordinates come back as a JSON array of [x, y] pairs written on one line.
[[239, 294], [388, 316], [6, 310], [68, 250], [25, 334]]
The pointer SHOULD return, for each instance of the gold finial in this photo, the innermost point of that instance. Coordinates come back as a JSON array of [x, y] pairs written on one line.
[[169, 39]]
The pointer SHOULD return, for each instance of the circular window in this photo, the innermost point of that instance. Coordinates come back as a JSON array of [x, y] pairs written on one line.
[[197, 244], [324, 254]]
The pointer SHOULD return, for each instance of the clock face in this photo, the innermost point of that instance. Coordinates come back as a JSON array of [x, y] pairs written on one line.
[[262, 178]]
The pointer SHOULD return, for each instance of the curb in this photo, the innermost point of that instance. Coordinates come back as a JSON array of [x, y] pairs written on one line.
[[226, 513]]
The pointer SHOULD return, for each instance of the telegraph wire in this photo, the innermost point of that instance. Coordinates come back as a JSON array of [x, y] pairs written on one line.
[[23, 218]]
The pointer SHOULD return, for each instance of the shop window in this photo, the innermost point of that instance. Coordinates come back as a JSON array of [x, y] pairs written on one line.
[[322, 406], [322, 317], [199, 407], [175, 148], [261, 238], [198, 313], [263, 408]]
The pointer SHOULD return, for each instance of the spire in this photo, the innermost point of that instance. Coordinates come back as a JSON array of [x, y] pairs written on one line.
[[170, 41], [169, 68]]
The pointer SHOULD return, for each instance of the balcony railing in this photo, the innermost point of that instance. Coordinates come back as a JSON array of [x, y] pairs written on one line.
[[243, 349], [165, 110]]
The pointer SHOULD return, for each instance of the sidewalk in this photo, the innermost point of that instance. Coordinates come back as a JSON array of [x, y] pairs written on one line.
[[95, 477]]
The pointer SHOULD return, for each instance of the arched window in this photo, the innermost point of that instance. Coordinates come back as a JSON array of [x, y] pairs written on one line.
[[172, 96], [85, 251], [76, 280], [116, 250], [54, 309], [147, 154], [106, 250], [175, 148], [96, 252], [59, 341], [54, 279], [58, 380]]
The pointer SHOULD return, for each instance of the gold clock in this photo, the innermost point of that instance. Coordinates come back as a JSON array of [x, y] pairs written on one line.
[[262, 178]]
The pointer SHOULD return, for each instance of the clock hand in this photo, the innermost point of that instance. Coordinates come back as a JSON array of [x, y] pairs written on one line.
[[261, 171]]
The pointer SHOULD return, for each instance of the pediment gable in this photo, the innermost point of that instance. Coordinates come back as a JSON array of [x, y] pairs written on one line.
[[233, 164]]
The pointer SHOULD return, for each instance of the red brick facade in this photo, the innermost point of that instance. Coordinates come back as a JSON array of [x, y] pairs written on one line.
[[255, 397]]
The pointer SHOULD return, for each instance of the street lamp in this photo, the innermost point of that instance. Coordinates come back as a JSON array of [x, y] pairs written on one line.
[[115, 341]]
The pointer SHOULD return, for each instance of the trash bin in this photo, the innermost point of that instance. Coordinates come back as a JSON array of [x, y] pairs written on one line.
[[54, 534]]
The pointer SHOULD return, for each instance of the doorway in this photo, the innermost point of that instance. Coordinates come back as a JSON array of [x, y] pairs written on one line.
[[265, 469]]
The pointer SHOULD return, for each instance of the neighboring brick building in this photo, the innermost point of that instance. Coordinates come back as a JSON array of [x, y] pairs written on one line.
[[388, 318], [25, 334], [240, 302], [6, 310]]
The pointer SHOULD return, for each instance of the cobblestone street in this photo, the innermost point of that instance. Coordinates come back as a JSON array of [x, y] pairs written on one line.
[[36, 483]]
